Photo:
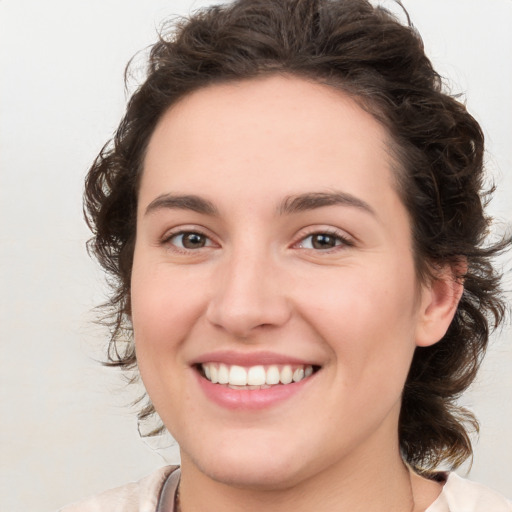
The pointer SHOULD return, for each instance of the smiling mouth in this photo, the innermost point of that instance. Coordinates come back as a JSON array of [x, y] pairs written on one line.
[[255, 377]]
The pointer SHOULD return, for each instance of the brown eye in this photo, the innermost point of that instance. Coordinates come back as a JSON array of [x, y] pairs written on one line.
[[190, 240], [324, 241]]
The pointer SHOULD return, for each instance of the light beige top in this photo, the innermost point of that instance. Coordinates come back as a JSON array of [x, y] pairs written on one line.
[[458, 495]]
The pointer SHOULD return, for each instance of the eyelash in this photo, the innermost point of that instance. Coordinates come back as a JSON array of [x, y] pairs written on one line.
[[167, 240], [341, 240]]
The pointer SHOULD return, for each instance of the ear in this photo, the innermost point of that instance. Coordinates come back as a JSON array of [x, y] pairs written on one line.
[[438, 304]]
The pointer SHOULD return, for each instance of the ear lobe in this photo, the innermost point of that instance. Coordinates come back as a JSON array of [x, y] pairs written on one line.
[[439, 301]]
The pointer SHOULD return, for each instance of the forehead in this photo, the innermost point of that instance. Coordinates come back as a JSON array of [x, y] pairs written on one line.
[[273, 126], [272, 103]]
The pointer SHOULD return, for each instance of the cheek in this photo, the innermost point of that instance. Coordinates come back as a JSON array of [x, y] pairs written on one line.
[[368, 319], [163, 303], [165, 309]]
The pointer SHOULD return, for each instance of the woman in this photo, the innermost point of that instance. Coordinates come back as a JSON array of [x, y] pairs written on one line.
[[292, 210]]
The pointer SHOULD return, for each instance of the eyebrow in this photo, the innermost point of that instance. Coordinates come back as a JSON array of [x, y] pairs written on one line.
[[290, 205], [182, 202], [313, 200]]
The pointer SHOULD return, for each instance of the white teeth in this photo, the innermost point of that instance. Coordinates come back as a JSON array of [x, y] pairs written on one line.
[[298, 374], [272, 376], [255, 377], [213, 372], [286, 375], [223, 374], [237, 376]]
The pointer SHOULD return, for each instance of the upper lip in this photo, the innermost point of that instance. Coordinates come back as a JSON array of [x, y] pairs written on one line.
[[250, 358]]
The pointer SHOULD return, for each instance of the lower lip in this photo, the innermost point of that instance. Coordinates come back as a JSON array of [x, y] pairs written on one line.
[[250, 399]]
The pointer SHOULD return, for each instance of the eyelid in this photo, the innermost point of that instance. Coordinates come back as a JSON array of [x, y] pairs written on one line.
[[343, 236], [346, 239], [184, 229]]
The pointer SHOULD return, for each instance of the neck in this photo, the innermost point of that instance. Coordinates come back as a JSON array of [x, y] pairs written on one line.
[[357, 484]]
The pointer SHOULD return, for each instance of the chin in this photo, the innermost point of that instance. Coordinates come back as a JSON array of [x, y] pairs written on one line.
[[260, 469], [261, 478]]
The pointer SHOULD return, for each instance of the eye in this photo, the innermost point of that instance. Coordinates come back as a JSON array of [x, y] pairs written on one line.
[[189, 240], [323, 241]]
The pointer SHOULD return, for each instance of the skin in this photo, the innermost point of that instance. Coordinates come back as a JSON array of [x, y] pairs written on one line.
[[258, 284]]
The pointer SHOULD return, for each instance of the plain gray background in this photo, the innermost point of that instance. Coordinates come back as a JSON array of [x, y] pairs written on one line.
[[65, 429]]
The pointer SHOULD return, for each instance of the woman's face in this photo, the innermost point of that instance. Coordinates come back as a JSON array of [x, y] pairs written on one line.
[[271, 242]]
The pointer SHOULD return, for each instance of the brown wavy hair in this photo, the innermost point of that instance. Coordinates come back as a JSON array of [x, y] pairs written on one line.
[[368, 53]]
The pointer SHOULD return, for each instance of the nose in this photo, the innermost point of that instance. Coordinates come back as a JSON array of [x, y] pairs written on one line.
[[249, 295]]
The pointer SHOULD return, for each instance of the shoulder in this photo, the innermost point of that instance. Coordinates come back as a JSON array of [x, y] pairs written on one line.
[[461, 495], [141, 496]]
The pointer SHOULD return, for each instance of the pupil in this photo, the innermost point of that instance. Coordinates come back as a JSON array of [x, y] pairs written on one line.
[[193, 240], [323, 241]]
